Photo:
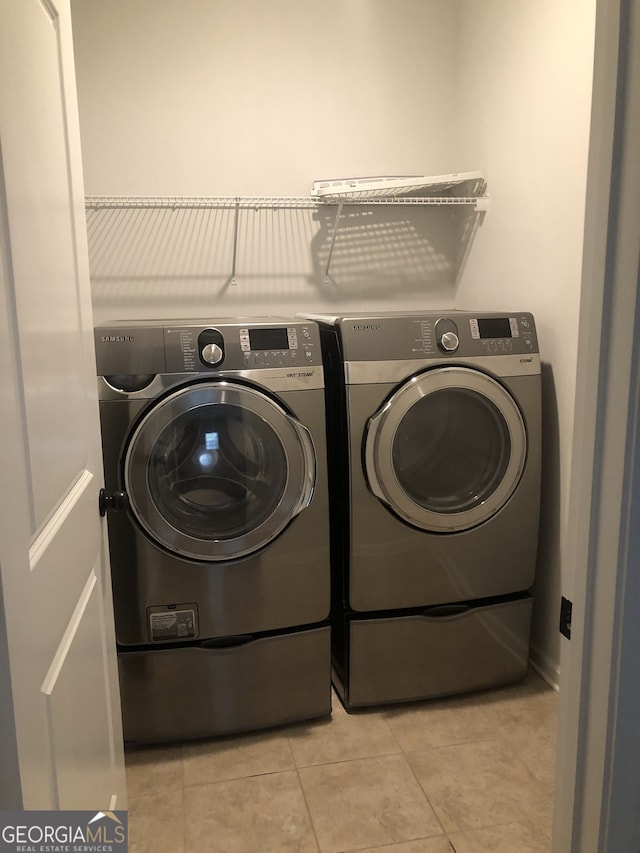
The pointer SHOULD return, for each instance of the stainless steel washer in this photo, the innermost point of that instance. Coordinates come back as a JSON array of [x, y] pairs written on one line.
[[214, 451], [434, 453]]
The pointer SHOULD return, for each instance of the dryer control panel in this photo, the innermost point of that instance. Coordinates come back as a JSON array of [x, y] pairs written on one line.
[[453, 334], [478, 335]]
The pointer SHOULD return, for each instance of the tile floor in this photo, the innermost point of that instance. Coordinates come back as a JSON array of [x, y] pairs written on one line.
[[466, 774]]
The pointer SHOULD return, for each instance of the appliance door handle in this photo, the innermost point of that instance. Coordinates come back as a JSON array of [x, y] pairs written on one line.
[[222, 643], [309, 455], [369, 456], [445, 611]]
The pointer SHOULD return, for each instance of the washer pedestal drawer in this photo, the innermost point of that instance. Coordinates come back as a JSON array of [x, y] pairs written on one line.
[[438, 652], [210, 689]]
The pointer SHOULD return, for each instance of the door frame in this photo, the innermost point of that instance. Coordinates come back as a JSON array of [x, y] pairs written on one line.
[[598, 771]]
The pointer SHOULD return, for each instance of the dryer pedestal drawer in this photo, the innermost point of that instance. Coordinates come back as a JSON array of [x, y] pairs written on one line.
[[400, 658], [200, 691]]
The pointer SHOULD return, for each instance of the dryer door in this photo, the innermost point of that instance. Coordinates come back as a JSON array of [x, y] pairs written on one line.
[[447, 449], [217, 470]]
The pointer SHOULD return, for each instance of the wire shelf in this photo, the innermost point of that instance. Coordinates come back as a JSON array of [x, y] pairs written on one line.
[[263, 202], [464, 189]]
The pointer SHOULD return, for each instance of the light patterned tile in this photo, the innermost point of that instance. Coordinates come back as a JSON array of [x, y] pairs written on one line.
[[538, 751], [156, 823], [525, 716], [211, 761], [439, 844], [261, 813], [525, 708], [342, 738], [476, 785], [153, 769], [441, 722], [520, 837], [366, 803]]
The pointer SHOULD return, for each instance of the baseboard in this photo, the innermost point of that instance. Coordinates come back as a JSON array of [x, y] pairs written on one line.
[[547, 669]]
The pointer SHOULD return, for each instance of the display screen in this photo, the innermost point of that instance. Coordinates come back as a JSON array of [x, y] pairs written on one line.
[[268, 339], [494, 327]]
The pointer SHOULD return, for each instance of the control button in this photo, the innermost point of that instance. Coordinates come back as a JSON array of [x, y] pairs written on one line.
[[306, 333], [308, 355], [528, 342], [210, 347], [525, 323], [446, 333], [212, 354], [449, 342]]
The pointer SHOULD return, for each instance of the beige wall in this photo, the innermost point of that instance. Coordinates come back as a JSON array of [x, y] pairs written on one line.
[[525, 100], [194, 97]]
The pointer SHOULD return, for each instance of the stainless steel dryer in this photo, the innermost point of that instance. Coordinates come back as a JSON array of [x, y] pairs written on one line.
[[214, 453], [434, 449]]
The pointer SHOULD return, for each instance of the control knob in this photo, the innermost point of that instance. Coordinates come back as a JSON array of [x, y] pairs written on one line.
[[212, 354], [449, 342]]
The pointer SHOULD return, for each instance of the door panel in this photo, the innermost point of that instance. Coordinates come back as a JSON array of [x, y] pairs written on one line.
[[55, 585], [217, 470], [446, 451], [43, 262], [76, 687], [58, 554]]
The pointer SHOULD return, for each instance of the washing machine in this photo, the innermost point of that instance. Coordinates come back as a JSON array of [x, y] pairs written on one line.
[[435, 464], [217, 508]]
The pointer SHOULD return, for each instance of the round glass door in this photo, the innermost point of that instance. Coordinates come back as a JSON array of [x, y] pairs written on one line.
[[447, 450], [217, 471]]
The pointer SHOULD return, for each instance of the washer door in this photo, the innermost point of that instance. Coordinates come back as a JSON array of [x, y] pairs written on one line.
[[447, 449], [217, 470]]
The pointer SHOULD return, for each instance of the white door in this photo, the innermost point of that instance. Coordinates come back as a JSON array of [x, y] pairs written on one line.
[[60, 741]]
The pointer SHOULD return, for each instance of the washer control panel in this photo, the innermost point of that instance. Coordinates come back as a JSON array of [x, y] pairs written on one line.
[[241, 346]]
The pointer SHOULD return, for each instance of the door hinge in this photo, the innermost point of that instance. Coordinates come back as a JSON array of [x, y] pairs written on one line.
[[566, 608]]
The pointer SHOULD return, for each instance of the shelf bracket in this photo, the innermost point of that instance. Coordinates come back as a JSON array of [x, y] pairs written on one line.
[[336, 225], [236, 222]]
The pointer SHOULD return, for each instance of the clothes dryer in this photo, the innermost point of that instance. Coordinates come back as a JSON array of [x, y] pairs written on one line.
[[435, 451], [214, 453]]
